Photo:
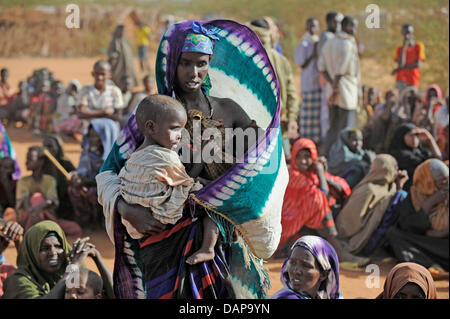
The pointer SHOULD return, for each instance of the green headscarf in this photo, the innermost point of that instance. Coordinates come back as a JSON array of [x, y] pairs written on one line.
[[29, 281]]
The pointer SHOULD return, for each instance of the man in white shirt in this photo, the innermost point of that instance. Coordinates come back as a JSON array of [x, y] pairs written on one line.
[[339, 64]]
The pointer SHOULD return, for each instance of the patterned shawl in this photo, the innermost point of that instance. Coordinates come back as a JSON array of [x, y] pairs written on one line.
[[328, 260]]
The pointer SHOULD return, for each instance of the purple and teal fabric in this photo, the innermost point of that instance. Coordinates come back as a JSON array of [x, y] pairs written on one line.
[[6, 149], [247, 198], [328, 260]]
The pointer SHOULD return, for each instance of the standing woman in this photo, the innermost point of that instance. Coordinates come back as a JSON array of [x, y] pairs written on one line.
[[120, 56], [185, 70]]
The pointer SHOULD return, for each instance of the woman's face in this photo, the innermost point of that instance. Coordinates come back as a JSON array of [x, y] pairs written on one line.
[[412, 139], [355, 142], [443, 183], [303, 160], [33, 161], [192, 70], [51, 255], [304, 272], [410, 291]]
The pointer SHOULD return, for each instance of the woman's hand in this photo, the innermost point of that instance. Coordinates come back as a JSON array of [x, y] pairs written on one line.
[[140, 218], [401, 179], [12, 230]]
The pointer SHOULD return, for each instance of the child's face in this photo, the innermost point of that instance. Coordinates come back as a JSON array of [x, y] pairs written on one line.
[[408, 32], [303, 160], [51, 255], [167, 132], [126, 84], [84, 291], [355, 142], [101, 75]]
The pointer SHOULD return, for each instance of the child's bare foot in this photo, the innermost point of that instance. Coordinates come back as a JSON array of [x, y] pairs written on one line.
[[200, 256]]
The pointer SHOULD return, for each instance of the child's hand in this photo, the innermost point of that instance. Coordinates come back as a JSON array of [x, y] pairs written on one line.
[[12, 230]]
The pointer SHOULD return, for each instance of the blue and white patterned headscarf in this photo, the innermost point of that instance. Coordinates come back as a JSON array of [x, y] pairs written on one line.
[[328, 260]]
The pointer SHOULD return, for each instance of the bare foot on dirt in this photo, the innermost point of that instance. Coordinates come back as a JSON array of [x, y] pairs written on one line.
[[199, 256]]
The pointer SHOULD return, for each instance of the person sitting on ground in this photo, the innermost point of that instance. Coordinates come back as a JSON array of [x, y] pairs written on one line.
[[433, 98], [372, 207], [10, 231], [348, 159], [421, 234], [8, 187], [408, 281], [376, 129], [37, 197], [15, 110], [102, 99], [55, 146], [409, 148], [308, 199], [96, 144], [166, 187], [311, 271], [440, 129], [6, 150], [125, 87], [64, 120], [45, 261]]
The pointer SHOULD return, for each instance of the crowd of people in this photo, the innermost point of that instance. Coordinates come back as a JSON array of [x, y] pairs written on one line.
[[362, 174]]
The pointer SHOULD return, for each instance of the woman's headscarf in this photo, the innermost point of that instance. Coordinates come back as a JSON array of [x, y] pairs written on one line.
[[404, 273], [407, 158], [340, 156], [29, 272], [438, 93], [60, 145], [365, 208], [424, 185], [326, 257]]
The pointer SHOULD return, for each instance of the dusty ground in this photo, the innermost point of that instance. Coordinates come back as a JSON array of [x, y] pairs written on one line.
[[352, 282]]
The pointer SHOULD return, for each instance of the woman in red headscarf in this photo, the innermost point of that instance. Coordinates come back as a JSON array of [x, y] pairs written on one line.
[[309, 196]]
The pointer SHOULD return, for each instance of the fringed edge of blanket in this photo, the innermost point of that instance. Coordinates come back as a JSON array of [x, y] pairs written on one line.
[[252, 263]]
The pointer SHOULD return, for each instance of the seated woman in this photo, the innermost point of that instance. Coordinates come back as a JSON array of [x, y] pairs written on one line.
[[45, 260], [347, 159], [408, 281], [36, 195], [421, 234], [310, 194], [311, 271], [55, 146], [373, 206], [96, 145], [408, 146]]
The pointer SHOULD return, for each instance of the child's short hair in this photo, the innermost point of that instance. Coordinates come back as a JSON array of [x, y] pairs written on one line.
[[155, 108], [93, 280], [102, 63]]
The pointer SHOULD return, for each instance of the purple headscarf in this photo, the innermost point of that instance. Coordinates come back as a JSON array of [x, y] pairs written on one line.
[[328, 260]]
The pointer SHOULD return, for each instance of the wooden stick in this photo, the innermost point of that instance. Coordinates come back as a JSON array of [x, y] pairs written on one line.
[[57, 164]]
